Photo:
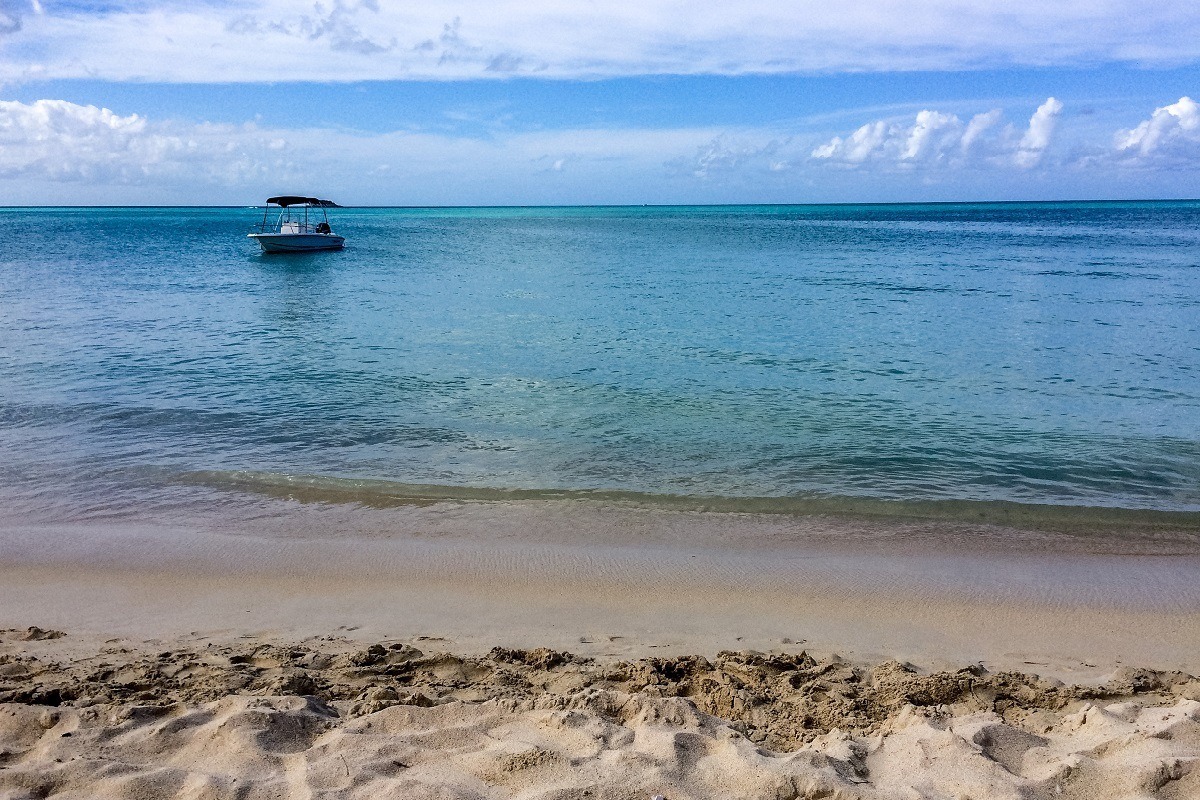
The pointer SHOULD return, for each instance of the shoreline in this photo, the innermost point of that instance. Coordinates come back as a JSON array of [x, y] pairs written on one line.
[[1077, 517], [620, 583]]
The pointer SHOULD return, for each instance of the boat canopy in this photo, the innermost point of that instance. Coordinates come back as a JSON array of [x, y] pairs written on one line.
[[288, 200]]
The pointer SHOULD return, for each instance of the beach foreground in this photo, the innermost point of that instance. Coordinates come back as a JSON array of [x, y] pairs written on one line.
[[566, 650], [250, 717]]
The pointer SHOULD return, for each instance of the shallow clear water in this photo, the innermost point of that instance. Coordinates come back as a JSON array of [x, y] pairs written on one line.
[[1035, 353]]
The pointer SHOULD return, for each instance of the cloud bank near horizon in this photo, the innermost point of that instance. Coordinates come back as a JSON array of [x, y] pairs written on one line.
[[58, 142], [354, 40], [935, 138]]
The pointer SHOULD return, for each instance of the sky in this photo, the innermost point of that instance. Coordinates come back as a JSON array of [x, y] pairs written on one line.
[[538, 102]]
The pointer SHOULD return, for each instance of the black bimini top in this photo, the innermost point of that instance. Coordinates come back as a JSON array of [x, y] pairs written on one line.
[[288, 200]]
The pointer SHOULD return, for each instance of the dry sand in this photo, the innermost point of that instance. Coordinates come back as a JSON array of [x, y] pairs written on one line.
[[204, 718], [312, 655]]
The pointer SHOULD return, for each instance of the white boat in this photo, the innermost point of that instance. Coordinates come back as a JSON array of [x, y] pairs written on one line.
[[292, 231]]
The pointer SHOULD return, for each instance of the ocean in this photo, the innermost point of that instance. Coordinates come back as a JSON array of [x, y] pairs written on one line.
[[1036, 359]]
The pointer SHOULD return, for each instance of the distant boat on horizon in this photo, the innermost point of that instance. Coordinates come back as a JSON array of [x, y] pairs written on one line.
[[292, 231]]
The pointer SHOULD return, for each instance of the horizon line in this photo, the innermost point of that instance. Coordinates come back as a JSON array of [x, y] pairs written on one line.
[[645, 205]]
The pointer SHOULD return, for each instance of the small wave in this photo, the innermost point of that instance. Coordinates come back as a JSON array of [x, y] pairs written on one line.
[[375, 493], [1069, 273]]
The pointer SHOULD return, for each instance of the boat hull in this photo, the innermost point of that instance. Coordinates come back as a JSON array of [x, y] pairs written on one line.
[[298, 242]]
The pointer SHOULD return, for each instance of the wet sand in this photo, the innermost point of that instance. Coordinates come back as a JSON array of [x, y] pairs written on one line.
[[623, 582]]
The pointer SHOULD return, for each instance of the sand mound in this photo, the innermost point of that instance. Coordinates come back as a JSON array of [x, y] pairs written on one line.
[[267, 720], [294, 747]]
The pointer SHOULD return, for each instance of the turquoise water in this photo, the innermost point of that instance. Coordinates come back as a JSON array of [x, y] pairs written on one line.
[[1024, 353]]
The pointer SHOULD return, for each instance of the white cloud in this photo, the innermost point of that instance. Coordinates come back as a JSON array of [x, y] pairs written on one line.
[[926, 140], [54, 140], [338, 26], [858, 147], [278, 40], [931, 135], [54, 149], [723, 155], [64, 141], [1039, 134], [12, 13], [978, 126], [934, 139], [1172, 130]]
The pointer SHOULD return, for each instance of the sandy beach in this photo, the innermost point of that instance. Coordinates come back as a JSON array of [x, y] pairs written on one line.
[[251, 717], [571, 650]]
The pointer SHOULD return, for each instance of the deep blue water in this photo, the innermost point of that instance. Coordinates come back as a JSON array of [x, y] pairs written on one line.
[[1038, 353]]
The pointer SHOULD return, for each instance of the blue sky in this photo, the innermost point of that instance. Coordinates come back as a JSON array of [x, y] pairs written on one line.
[[382, 103]]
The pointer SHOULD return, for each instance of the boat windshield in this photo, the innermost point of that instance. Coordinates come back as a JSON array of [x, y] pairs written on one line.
[[295, 217]]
